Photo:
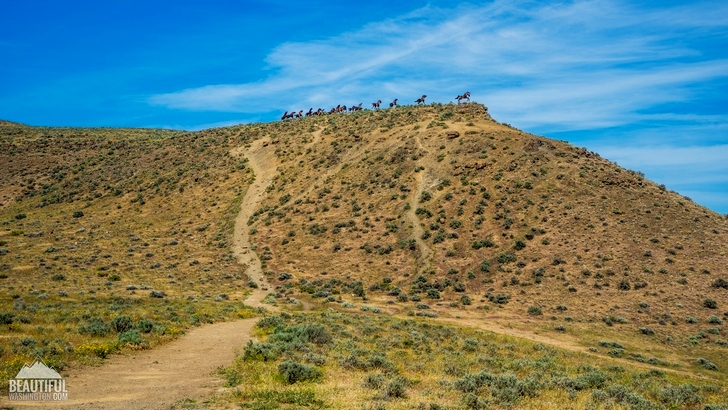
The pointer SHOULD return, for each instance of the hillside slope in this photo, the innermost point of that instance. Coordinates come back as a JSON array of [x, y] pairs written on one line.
[[431, 211], [444, 197]]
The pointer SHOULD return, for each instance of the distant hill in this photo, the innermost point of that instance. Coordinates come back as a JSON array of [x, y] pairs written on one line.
[[4, 123]]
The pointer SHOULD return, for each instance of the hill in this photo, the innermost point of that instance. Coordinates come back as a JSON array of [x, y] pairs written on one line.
[[435, 211], [445, 198]]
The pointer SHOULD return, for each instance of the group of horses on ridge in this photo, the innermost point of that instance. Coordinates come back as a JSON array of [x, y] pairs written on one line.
[[375, 106]]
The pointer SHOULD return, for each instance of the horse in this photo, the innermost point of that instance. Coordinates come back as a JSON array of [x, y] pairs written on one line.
[[421, 100], [285, 115], [355, 107], [375, 105], [393, 103], [310, 112], [465, 96]]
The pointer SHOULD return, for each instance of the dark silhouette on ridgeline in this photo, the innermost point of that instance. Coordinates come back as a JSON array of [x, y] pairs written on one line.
[[465, 96], [375, 106]]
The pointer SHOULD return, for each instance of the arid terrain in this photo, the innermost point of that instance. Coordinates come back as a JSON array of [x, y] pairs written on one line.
[[415, 257]]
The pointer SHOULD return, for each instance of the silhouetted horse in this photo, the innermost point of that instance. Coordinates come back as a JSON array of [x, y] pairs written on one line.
[[465, 96], [375, 105], [421, 100], [393, 103]]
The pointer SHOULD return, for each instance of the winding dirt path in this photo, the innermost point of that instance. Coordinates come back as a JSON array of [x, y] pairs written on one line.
[[262, 160], [158, 378], [424, 259], [181, 369]]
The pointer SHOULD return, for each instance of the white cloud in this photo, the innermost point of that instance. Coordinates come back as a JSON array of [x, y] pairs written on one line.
[[585, 64], [595, 65]]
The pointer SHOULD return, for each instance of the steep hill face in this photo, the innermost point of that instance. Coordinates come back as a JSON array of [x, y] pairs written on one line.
[[430, 210], [446, 198]]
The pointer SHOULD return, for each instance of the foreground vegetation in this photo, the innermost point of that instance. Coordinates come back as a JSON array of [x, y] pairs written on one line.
[[340, 360]]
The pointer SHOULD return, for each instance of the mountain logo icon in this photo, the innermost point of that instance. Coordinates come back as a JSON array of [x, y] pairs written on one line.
[[38, 370], [37, 382]]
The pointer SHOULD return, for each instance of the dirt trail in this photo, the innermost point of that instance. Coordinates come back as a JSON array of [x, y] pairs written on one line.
[[158, 378], [261, 159], [425, 252]]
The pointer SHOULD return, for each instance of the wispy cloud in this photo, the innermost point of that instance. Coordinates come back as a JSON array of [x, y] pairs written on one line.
[[546, 67], [603, 59]]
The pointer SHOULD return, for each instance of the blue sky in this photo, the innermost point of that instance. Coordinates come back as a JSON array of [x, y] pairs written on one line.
[[644, 84]]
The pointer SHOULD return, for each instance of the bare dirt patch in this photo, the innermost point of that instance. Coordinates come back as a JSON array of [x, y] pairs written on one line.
[[262, 160], [156, 379]]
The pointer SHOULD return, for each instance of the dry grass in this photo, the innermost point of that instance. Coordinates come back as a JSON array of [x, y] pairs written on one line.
[[380, 362]]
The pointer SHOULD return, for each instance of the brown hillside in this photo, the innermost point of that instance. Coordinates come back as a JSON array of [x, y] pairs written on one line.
[[445, 197], [432, 210]]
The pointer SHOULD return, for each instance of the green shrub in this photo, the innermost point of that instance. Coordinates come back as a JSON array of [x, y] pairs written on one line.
[[534, 311], [311, 333], [260, 351], [373, 381], [294, 372], [715, 320], [506, 258], [720, 283], [485, 243], [131, 336], [145, 326], [707, 364], [77, 214], [121, 324], [710, 304], [6, 318], [396, 387], [95, 327], [500, 299], [270, 322]]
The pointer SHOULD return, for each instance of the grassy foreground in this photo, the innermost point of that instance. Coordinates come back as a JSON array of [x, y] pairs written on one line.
[[343, 360]]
